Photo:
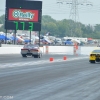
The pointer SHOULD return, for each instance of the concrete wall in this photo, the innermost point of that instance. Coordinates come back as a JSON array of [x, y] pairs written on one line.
[[59, 49], [50, 49], [87, 50], [12, 50]]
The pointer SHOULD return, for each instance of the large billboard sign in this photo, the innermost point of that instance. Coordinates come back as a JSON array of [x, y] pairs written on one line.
[[23, 15]]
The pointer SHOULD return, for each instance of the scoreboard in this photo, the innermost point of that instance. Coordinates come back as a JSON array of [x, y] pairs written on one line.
[[23, 15]]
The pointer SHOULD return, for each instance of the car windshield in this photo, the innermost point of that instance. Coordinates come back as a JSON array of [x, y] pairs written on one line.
[[96, 51], [31, 46]]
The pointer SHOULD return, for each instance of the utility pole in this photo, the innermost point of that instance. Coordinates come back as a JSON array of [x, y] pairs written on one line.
[[74, 11], [74, 15]]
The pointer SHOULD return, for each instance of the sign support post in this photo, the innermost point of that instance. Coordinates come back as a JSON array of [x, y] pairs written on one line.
[[30, 36], [15, 37], [39, 38], [6, 37]]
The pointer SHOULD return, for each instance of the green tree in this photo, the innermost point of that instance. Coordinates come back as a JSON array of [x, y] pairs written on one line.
[[2, 19], [62, 28]]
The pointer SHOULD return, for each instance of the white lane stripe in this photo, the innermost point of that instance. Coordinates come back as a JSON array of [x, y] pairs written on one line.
[[8, 65]]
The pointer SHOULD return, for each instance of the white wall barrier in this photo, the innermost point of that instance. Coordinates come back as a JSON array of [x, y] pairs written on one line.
[[58, 49], [87, 50], [10, 50], [51, 49], [69, 50]]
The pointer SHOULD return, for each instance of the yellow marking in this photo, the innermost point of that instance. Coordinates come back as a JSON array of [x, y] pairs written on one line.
[[92, 57]]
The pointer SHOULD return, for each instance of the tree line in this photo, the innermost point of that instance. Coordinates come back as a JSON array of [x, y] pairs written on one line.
[[61, 28]]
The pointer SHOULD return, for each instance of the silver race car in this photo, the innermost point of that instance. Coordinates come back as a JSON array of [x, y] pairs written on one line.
[[31, 50]]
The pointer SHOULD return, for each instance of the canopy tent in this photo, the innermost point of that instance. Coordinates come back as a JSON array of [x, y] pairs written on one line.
[[90, 39], [2, 33], [13, 38], [75, 40], [2, 37], [19, 38], [27, 41]]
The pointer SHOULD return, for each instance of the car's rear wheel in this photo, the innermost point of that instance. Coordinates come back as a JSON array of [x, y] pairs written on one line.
[[92, 61], [36, 56], [24, 55], [40, 55]]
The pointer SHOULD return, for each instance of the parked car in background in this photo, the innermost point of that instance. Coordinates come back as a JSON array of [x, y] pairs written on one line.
[[68, 42], [58, 42]]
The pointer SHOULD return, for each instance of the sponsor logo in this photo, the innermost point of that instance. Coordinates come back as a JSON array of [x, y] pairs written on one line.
[[24, 15]]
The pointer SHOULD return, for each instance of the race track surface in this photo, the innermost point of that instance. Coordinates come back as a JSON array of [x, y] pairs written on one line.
[[39, 79]]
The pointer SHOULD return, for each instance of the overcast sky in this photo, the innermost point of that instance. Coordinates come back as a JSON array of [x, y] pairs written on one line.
[[86, 14]]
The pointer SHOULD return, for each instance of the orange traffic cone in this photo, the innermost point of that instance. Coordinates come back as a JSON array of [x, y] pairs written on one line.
[[51, 59], [64, 58]]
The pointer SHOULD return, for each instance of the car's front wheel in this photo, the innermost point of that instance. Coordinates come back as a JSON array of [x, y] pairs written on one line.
[[38, 56], [24, 55], [92, 61]]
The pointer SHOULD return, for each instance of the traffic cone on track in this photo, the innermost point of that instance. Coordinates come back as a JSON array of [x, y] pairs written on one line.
[[51, 59], [64, 58]]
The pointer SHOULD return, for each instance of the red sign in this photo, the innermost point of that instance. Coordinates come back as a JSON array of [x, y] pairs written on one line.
[[23, 15]]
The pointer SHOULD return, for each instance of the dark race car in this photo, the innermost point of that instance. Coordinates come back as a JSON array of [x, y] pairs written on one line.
[[31, 50]]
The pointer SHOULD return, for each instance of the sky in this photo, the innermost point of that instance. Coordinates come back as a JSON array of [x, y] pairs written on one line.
[[88, 11]]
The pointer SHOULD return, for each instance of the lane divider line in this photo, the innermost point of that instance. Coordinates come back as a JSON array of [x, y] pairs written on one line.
[[10, 65]]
